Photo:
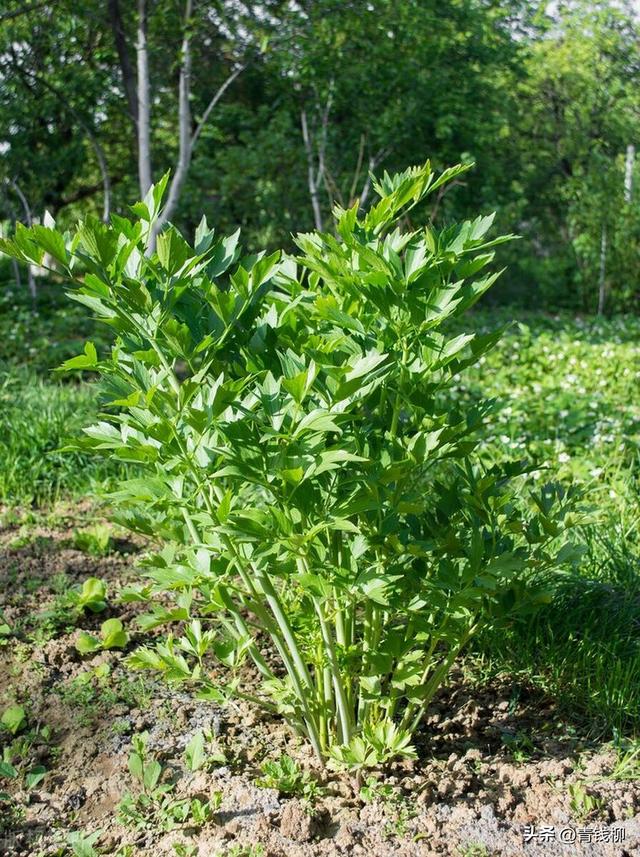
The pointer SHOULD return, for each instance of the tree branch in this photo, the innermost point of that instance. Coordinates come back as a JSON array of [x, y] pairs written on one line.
[[216, 98]]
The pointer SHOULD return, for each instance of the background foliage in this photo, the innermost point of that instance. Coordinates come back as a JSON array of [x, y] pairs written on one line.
[[543, 97]]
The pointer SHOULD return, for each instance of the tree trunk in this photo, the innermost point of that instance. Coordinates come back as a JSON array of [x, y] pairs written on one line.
[[313, 176], [16, 272], [184, 130], [104, 172], [628, 172], [602, 287], [31, 280], [144, 102], [126, 68], [186, 139]]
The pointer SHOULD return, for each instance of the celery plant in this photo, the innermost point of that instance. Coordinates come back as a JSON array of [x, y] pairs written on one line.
[[323, 513]]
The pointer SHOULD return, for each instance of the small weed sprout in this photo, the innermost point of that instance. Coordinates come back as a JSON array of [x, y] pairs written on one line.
[[289, 779], [239, 850], [397, 808], [155, 806]]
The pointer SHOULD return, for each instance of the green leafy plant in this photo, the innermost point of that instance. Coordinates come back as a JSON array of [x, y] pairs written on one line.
[[112, 636], [299, 458], [5, 628], [69, 605], [583, 804], [18, 757], [473, 849], [183, 849], [94, 692], [155, 806], [203, 753], [14, 719], [519, 745], [286, 775], [81, 844], [398, 810], [92, 595], [238, 850], [96, 541]]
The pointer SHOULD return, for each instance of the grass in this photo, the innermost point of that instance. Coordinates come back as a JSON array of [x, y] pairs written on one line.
[[38, 414], [569, 388], [37, 417], [568, 392]]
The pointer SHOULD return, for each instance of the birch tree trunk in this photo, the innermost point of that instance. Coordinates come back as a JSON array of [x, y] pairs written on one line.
[[628, 172], [31, 280], [313, 176], [602, 284], [144, 101], [186, 139]]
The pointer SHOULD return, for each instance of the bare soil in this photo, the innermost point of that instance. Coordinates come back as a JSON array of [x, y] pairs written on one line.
[[500, 771]]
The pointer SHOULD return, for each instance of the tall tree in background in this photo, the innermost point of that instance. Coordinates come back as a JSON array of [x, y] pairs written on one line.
[[580, 103], [140, 94], [269, 113]]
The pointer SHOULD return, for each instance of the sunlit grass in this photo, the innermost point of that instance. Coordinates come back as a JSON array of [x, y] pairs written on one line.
[[569, 394], [37, 417]]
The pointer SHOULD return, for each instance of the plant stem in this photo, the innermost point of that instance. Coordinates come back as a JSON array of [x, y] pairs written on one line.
[[344, 716]]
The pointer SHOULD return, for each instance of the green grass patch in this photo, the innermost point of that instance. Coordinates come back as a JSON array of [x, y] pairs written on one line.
[[569, 390], [38, 413], [37, 417]]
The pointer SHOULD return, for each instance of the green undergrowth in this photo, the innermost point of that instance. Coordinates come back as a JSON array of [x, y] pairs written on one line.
[[37, 416], [38, 413], [568, 393], [567, 389]]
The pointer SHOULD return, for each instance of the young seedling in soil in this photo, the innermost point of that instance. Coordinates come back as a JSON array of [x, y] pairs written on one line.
[[155, 807], [18, 750], [96, 541], [243, 851], [183, 850], [69, 605], [289, 779], [318, 496], [584, 805], [203, 753], [112, 636], [396, 806], [81, 844]]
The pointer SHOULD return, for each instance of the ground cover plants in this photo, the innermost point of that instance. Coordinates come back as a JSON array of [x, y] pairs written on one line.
[[569, 389], [300, 459], [526, 714]]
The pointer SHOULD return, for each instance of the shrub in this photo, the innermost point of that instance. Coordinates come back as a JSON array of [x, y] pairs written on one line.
[[300, 464]]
